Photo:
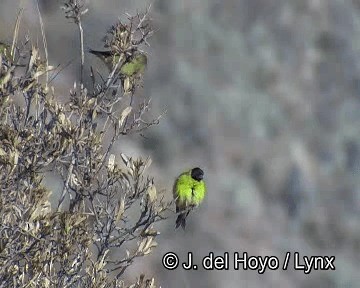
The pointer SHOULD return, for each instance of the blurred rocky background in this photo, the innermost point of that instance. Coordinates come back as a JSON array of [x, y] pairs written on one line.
[[265, 96]]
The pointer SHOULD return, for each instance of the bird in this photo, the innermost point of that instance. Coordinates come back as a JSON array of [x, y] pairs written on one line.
[[189, 191], [128, 70]]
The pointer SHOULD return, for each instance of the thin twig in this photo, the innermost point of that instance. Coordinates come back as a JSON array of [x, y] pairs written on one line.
[[81, 32]]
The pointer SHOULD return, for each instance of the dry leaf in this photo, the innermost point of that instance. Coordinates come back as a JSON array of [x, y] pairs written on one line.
[[121, 209], [124, 158], [124, 114], [111, 162], [127, 85], [151, 192]]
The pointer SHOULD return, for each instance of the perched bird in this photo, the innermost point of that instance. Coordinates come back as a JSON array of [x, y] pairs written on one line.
[[128, 70], [189, 191]]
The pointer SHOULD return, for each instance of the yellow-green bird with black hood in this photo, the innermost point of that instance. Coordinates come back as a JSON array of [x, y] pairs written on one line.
[[129, 70], [189, 191], [135, 65]]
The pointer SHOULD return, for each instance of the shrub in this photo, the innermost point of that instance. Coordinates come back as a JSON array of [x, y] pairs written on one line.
[[104, 218]]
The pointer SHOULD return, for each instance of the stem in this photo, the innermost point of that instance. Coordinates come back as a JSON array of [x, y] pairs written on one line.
[[82, 57]]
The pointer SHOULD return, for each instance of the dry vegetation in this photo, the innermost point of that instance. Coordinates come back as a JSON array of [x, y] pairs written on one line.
[[104, 218]]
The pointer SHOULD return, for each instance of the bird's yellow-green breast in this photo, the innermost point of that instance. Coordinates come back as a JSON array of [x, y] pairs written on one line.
[[136, 66]]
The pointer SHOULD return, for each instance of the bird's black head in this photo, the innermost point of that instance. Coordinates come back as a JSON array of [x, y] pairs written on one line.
[[197, 174]]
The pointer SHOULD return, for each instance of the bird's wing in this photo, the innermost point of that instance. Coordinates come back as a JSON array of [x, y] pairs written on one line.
[[199, 191], [183, 191]]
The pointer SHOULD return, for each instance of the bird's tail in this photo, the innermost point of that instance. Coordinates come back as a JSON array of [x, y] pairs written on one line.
[[101, 54], [181, 219]]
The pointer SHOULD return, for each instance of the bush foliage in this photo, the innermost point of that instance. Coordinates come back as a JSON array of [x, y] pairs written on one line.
[[103, 219]]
